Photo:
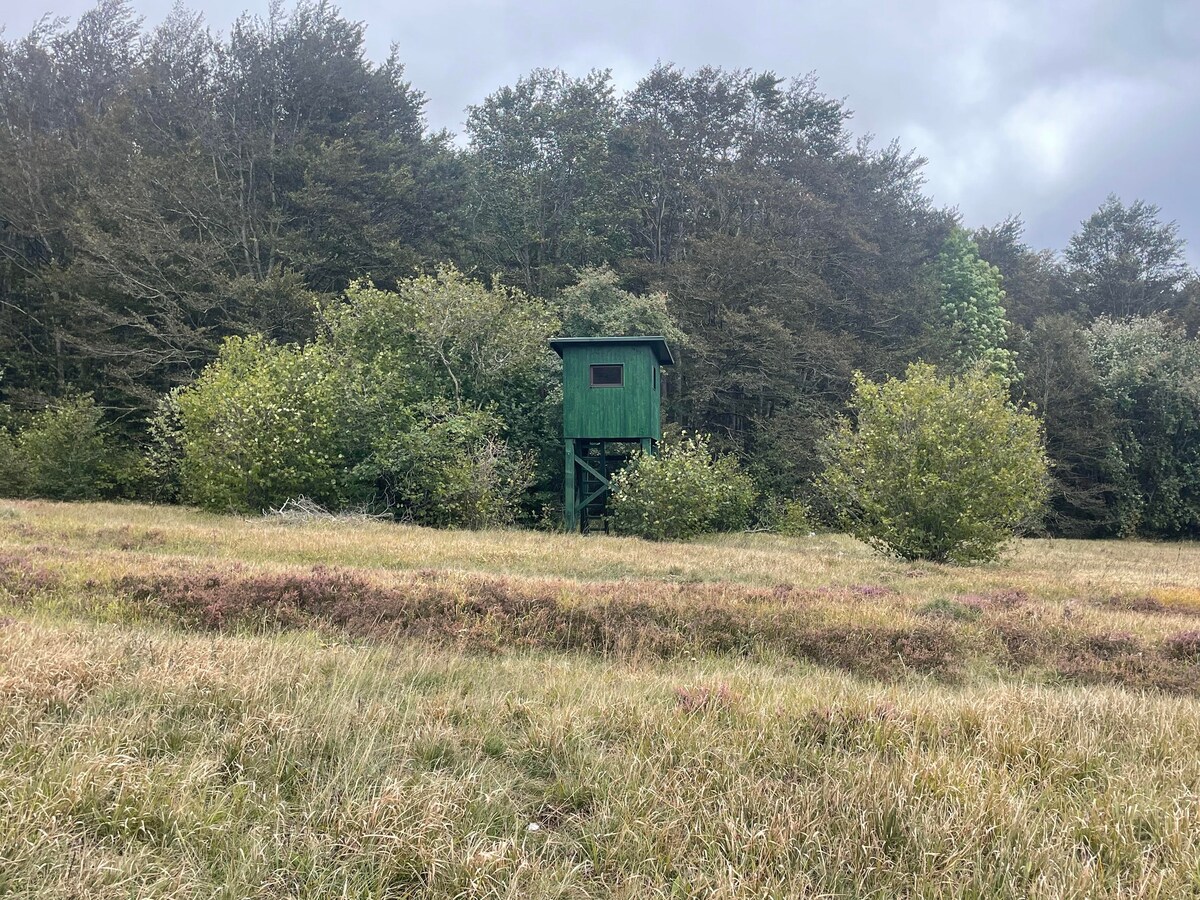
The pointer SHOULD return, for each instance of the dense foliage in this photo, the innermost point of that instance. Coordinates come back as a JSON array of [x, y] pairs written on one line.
[[936, 468], [681, 491], [971, 313], [1149, 375], [168, 189], [264, 424], [398, 404], [451, 468], [66, 452]]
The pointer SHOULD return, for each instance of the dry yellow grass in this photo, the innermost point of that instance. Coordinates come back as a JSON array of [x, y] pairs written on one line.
[[90, 543], [140, 760], [1058, 569]]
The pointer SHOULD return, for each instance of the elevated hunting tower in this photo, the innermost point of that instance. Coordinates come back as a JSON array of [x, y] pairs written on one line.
[[612, 403]]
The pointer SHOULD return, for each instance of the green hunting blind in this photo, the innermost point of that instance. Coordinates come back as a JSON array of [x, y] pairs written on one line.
[[612, 404]]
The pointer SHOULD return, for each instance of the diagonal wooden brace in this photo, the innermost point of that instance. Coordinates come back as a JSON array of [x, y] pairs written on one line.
[[587, 501], [603, 480]]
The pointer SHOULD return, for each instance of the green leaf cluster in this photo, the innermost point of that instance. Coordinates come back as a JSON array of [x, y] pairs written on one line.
[[451, 468], [403, 402], [971, 311], [597, 306], [1149, 373], [266, 423], [66, 452], [944, 469], [682, 491], [789, 516]]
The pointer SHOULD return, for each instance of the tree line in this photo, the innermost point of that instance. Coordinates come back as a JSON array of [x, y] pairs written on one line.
[[167, 190]]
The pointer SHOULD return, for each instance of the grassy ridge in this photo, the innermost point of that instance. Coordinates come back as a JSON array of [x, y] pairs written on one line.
[[867, 629], [325, 734], [1057, 569]]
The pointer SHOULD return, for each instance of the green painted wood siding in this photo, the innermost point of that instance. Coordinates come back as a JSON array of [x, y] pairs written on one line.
[[630, 411]]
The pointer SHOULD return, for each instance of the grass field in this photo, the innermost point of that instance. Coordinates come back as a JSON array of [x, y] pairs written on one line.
[[199, 706]]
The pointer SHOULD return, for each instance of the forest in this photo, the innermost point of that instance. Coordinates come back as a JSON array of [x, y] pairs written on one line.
[[248, 234]]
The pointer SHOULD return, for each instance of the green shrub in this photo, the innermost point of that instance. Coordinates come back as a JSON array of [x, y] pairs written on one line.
[[596, 305], [448, 337], [164, 451], [264, 424], [795, 519], [451, 335], [933, 468], [783, 515], [450, 468], [1147, 370], [680, 492], [12, 474], [66, 452]]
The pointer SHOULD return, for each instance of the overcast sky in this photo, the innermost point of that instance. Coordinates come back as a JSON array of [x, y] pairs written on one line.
[[1038, 108]]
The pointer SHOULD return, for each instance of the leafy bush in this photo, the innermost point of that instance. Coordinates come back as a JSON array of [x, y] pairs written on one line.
[[264, 424], [347, 419], [597, 306], [12, 475], [680, 492], [1147, 370], [164, 451], [450, 469], [785, 516], [450, 337], [796, 519], [971, 314], [933, 468], [67, 452]]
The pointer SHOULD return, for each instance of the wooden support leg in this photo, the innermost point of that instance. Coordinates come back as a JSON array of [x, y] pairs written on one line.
[[570, 498]]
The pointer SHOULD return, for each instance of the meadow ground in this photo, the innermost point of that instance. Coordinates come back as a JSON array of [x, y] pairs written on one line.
[[199, 706]]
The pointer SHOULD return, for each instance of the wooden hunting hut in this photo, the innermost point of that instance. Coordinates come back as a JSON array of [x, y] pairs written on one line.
[[612, 406]]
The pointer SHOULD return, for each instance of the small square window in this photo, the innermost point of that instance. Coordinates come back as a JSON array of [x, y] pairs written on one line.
[[607, 376]]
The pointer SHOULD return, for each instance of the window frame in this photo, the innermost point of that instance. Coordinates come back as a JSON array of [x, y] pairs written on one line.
[[592, 375]]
